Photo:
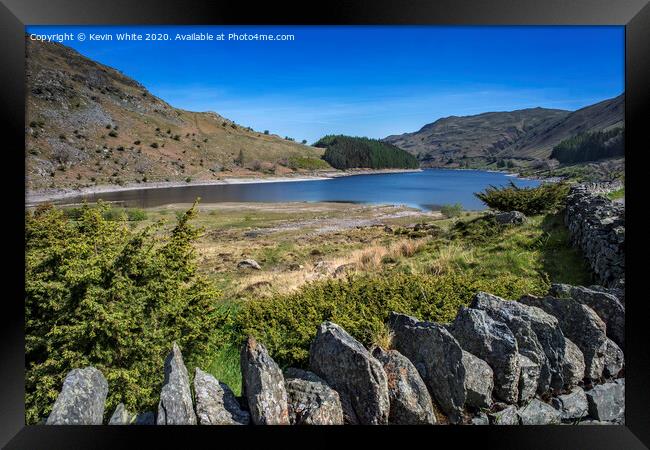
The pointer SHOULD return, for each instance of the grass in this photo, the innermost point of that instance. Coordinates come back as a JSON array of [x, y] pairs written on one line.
[[615, 195]]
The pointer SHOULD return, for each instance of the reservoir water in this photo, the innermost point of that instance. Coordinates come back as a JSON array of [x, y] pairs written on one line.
[[425, 189]]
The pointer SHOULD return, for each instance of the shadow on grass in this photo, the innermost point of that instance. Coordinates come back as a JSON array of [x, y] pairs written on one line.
[[561, 261]]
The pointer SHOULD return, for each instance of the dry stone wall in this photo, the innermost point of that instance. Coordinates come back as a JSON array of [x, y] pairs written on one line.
[[539, 360]]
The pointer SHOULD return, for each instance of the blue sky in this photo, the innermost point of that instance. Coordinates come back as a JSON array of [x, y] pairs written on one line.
[[366, 80]]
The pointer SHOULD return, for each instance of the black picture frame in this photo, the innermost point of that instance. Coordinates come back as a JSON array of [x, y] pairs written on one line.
[[15, 14]]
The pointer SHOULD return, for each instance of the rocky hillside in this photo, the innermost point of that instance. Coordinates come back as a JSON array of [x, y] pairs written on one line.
[[496, 139], [88, 124]]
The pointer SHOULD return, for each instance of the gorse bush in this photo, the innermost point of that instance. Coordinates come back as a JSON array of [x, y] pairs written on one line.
[[547, 197], [99, 293], [361, 304]]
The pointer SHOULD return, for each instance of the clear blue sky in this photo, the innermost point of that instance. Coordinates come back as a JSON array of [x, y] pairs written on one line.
[[367, 81]]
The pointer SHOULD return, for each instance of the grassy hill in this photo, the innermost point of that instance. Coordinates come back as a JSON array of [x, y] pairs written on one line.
[[346, 152], [522, 138], [88, 124]]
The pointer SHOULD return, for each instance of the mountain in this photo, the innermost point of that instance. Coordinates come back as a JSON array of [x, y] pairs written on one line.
[[90, 124], [524, 137], [347, 152]]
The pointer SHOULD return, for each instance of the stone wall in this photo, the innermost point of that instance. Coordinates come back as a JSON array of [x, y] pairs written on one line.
[[556, 359], [597, 228]]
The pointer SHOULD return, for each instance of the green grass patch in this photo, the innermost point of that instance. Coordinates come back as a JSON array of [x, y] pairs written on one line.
[[618, 193]]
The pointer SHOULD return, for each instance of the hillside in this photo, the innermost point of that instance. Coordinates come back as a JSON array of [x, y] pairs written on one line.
[[346, 152], [89, 124], [523, 138]]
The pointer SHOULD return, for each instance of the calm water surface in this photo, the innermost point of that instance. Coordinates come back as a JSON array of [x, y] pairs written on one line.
[[426, 190]]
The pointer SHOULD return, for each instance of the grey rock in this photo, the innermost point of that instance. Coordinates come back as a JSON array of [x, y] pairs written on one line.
[[574, 367], [353, 372], [538, 335], [537, 412], [263, 385], [493, 342], [607, 401], [145, 418], [311, 400], [507, 416], [510, 218], [572, 406], [595, 422], [480, 419], [410, 402], [450, 374], [175, 406], [581, 325], [216, 403], [528, 378], [81, 400], [478, 382], [606, 305], [248, 264], [121, 416], [614, 359]]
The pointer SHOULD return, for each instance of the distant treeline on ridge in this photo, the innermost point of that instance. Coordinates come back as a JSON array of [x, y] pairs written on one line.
[[590, 146], [347, 152]]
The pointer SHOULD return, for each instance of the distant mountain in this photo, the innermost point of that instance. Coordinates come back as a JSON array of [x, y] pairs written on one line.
[[523, 137], [347, 152], [90, 124]]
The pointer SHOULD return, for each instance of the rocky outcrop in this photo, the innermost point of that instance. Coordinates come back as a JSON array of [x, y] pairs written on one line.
[[410, 402], [311, 400], [122, 416], [580, 324], [597, 228], [248, 264], [572, 406], [175, 406], [215, 402], [263, 385], [346, 365], [537, 412], [81, 400]]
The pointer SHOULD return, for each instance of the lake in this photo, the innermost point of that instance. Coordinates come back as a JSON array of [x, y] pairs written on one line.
[[426, 189]]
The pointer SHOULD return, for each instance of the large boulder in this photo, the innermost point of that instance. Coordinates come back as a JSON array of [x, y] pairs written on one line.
[[492, 341], [122, 416], [263, 385], [175, 406], [346, 365], [216, 403], [572, 406], [311, 400], [81, 400], [538, 335], [248, 264], [607, 401], [614, 359], [574, 364], [510, 218], [410, 402], [537, 412], [606, 305], [453, 376], [580, 324]]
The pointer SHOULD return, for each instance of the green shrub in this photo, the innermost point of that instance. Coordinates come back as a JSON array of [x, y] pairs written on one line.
[[287, 324], [307, 163], [100, 293], [454, 210], [547, 197]]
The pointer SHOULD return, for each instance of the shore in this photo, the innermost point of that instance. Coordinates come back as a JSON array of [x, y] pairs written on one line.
[[34, 198]]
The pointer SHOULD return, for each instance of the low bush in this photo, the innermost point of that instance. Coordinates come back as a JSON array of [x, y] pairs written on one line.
[[361, 304], [547, 197], [454, 210]]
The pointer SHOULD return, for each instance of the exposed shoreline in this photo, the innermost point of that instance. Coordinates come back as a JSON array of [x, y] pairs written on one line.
[[36, 197]]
